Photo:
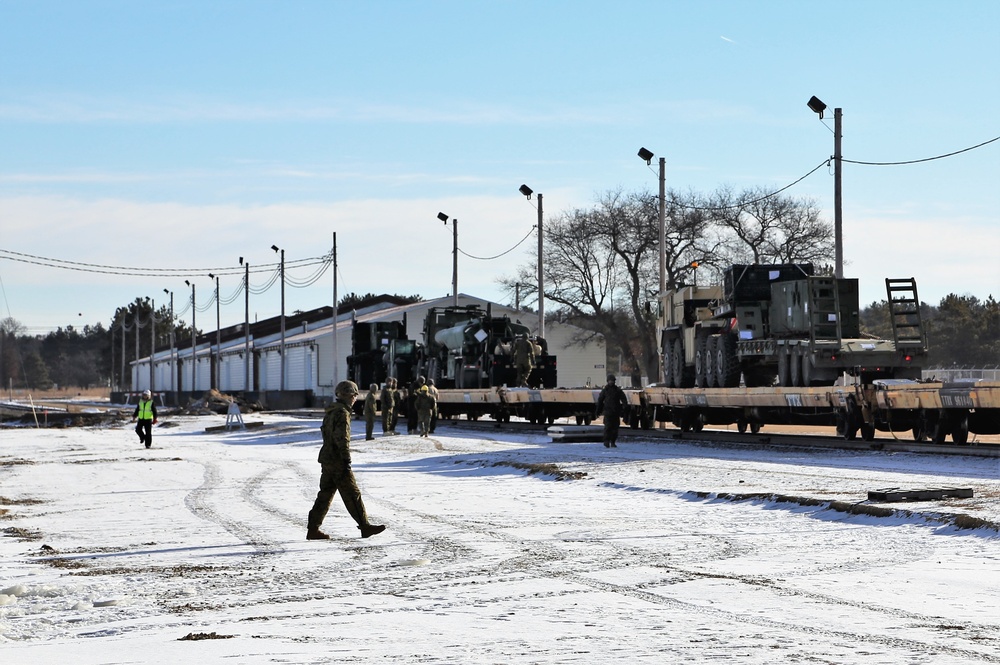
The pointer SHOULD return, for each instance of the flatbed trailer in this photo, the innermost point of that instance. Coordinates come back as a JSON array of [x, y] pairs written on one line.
[[930, 410]]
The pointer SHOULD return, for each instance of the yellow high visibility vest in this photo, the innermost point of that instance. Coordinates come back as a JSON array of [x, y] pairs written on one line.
[[145, 409]]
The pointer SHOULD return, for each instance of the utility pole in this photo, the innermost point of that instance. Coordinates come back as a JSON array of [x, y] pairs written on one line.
[[194, 339], [541, 282], [838, 216]]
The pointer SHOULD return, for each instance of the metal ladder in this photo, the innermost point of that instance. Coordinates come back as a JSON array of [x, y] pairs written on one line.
[[824, 312], [904, 313]]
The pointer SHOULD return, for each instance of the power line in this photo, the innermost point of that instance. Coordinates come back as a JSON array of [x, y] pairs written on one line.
[[926, 159]]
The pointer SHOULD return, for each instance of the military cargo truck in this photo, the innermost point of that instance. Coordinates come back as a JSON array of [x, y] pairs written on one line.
[[781, 324]]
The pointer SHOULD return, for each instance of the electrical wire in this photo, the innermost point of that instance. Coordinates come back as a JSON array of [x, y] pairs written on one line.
[[490, 258], [926, 159]]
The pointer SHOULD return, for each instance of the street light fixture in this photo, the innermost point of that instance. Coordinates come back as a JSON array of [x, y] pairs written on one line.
[[838, 219], [527, 191], [281, 351], [661, 214], [454, 260]]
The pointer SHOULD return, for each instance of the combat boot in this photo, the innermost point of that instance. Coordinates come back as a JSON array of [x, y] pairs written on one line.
[[315, 534], [369, 530]]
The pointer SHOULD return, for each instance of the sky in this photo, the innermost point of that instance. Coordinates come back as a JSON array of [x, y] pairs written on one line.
[[174, 138], [661, 551]]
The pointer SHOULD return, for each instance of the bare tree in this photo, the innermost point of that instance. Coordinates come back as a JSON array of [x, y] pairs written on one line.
[[756, 227]]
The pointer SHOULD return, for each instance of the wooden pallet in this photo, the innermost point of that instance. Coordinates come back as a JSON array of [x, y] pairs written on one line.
[[928, 494]]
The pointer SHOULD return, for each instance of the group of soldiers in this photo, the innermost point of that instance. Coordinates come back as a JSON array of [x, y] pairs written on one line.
[[418, 403]]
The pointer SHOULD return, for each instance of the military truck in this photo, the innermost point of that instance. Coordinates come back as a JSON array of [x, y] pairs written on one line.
[[782, 324], [468, 347], [380, 349]]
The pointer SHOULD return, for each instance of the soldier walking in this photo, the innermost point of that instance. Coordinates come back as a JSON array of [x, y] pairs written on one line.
[[336, 475], [612, 404]]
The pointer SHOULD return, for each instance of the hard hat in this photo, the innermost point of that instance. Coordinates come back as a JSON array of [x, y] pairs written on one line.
[[146, 394]]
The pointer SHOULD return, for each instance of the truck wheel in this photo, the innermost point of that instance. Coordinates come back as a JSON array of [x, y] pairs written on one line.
[[794, 368], [701, 362], [727, 363], [784, 374], [683, 373], [668, 363]]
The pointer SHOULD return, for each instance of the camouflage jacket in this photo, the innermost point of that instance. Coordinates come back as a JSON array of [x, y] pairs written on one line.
[[336, 430]]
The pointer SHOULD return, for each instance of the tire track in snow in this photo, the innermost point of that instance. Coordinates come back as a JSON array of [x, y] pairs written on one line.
[[536, 558], [199, 501]]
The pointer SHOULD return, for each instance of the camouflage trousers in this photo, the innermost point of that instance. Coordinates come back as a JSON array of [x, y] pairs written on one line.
[[336, 477]]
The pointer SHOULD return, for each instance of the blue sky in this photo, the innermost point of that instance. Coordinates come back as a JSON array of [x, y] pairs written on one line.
[[183, 135]]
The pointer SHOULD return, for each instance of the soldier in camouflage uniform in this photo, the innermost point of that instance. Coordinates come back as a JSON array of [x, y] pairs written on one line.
[[388, 407], [524, 358], [370, 409], [425, 404], [335, 458]]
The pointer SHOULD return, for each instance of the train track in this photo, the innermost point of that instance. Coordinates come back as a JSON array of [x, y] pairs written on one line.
[[805, 438]]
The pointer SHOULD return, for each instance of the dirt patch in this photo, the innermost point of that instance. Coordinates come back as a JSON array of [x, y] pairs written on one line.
[[22, 535], [545, 470], [4, 501], [204, 636]]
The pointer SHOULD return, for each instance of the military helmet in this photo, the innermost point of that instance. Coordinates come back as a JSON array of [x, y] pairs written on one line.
[[373, 387], [346, 389], [611, 378]]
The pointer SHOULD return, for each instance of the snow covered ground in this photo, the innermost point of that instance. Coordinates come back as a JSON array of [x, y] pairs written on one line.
[[652, 552]]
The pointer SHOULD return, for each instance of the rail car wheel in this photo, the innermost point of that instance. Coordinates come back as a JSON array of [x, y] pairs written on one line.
[[579, 420], [852, 420], [960, 430], [741, 426], [867, 431], [755, 428]]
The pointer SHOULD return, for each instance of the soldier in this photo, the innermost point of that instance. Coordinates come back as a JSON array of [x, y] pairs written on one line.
[[370, 408], [412, 418], [388, 407], [425, 404], [399, 398], [335, 458], [613, 404], [145, 414], [432, 389], [524, 358]]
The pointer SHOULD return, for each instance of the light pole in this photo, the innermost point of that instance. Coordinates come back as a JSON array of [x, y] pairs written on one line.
[[838, 219], [661, 214], [454, 259], [246, 326], [524, 189], [282, 347], [171, 365], [217, 374], [194, 340]]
